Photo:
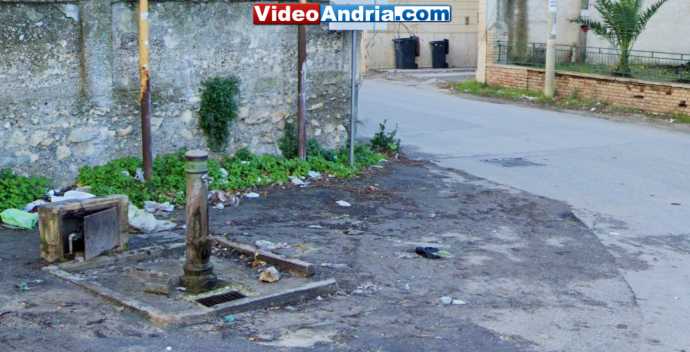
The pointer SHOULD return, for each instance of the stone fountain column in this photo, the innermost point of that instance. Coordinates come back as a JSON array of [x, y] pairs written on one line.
[[198, 270]]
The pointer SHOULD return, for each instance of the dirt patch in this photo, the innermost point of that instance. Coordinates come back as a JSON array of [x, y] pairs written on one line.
[[508, 251]]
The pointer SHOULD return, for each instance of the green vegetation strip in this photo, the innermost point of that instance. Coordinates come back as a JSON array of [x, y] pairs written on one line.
[[573, 101], [16, 191], [244, 171]]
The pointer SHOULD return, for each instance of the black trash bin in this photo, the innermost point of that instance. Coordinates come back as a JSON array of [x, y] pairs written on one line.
[[406, 50], [439, 50]]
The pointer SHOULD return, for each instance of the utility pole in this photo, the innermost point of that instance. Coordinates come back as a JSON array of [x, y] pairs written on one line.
[[301, 80], [482, 59], [145, 89], [550, 72], [353, 96]]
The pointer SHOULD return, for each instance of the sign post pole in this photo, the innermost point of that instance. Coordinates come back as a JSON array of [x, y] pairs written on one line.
[[550, 69], [353, 96]]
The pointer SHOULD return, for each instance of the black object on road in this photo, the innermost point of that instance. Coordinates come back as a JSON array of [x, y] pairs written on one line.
[[406, 50], [439, 50], [428, 252]]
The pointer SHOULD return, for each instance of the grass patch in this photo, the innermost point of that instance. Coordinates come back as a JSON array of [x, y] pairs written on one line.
[[485, 90], [16, 191], [659, 73], [573, 101], [242, 171], [680, 117]]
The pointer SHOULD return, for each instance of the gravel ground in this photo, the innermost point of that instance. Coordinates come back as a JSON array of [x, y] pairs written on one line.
[[531, 276]]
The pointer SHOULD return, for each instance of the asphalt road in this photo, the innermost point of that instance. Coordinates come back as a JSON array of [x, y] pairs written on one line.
[[628, 181]]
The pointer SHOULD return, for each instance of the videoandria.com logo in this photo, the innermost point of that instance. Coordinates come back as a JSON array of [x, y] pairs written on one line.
[[313, 13]]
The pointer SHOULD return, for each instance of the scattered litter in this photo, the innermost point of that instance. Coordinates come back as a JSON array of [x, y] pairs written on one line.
[[217, 197], [27, 285], [353, 232], [315, 226], [432, 252], [270, 246], [448, 300], [335, 265], [146, 222], [366, 288], [319, 298], [19, 219], [155, 207], [372, 189], [528, 98], [297, 181], [139, 175], [72, 195], [224, 173], [31, 207], [343, 203], [229, 319], [314, 175], [252, 195], [270, 274]]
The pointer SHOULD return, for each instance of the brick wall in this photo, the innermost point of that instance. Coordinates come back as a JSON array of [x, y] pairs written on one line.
[[630, 93]]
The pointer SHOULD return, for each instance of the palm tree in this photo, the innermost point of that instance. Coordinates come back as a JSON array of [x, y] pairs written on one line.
[[622, 22]]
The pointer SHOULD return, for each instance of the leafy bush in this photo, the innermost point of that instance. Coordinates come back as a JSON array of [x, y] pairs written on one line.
[[16, 191], [385, 142], [244, 170], [288, 143], [218, 110]]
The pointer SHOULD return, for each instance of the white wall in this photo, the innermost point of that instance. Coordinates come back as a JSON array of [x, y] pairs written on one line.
[[668, 30]]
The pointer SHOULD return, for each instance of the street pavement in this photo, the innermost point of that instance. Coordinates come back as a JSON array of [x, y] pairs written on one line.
[[628, 181]]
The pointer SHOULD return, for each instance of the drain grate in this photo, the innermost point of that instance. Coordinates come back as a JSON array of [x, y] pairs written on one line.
[[211, 301]]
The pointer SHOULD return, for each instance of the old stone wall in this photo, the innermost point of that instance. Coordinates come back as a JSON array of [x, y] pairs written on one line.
[[69, 80], [629, 93]]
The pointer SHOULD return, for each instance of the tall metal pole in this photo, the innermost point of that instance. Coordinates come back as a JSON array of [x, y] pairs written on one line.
[[301, 80], [550, 69], [198, 270], [353, 97], [145, 89]]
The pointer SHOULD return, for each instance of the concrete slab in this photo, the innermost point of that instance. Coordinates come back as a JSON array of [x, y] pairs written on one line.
[[146, 281]]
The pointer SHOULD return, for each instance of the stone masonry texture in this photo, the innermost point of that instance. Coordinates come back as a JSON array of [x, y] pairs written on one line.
[[69, 80]]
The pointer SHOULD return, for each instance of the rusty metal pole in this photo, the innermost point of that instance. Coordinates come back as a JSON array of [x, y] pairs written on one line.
[[145, 89], [301, 80], [198, 270]]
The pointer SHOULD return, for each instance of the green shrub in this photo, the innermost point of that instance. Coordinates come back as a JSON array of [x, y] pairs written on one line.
[[16, 191], [288, 143], [385, 142], [218, 110]]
